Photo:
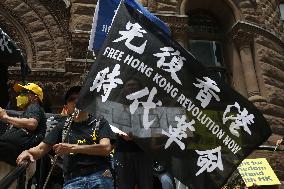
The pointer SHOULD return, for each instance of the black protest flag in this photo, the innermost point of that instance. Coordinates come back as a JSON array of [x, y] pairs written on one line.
[[145, 83], [10, 54]]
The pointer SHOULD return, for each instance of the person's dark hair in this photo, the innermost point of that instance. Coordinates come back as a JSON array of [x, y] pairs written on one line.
[[71, 91]]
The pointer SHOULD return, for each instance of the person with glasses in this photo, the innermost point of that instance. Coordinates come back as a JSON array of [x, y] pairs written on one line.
[[26, 130]]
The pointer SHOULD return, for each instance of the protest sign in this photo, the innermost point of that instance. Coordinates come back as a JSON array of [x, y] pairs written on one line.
[[257, 171]]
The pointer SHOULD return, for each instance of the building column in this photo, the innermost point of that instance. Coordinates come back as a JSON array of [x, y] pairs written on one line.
[[238, 78], [244, 42]]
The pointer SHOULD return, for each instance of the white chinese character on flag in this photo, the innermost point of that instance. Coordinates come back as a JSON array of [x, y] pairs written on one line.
[[208, 89], [209, 160], [133, 30], [174, 65], [107, 81], [242, 119], [176, 134], [4, 43], [149, 104]]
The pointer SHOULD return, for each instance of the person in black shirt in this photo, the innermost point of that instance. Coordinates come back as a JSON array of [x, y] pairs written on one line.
[[137, 166], [85, 152], [27, 130]]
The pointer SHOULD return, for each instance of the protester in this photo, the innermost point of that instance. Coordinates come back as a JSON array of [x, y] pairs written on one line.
[[71, 95], [136, 167], [86, 152], [27, 130]]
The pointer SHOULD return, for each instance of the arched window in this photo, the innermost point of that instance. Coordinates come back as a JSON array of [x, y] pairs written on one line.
[[205, 41]]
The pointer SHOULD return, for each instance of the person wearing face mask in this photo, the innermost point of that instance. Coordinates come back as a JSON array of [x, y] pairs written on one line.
[[26, 130]]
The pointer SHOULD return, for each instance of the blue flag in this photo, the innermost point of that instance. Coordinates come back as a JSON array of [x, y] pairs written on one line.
[[104, 13]]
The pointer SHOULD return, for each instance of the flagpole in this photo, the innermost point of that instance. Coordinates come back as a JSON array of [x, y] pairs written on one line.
[[64, 137]]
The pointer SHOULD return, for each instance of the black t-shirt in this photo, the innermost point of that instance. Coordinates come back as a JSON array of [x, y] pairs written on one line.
[[23, 137], [126, 146], [35, 111], [82, 133]]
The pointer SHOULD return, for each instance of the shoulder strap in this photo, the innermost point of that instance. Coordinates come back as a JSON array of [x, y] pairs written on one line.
[[66, 128]]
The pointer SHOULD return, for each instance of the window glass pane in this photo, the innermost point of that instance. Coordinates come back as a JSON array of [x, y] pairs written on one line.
[[281, 6], [207, 52], [202, 22], [204, 26]]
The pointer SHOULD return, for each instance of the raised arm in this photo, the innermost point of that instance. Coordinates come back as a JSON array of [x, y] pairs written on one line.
[[26, 123]]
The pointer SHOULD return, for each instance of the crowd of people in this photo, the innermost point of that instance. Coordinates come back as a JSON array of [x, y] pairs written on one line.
[[84, 143]]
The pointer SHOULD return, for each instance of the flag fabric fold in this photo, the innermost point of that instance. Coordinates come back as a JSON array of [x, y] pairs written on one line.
[[10, 53], [143, 82]]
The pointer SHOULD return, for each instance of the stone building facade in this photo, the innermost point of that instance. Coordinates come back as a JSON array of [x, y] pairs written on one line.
[[242, 40]]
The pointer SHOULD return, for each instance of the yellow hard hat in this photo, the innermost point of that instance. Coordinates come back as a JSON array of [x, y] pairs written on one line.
[[30, 87]]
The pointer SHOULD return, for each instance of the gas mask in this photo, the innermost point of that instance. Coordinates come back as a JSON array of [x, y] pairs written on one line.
[[22, 101]]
